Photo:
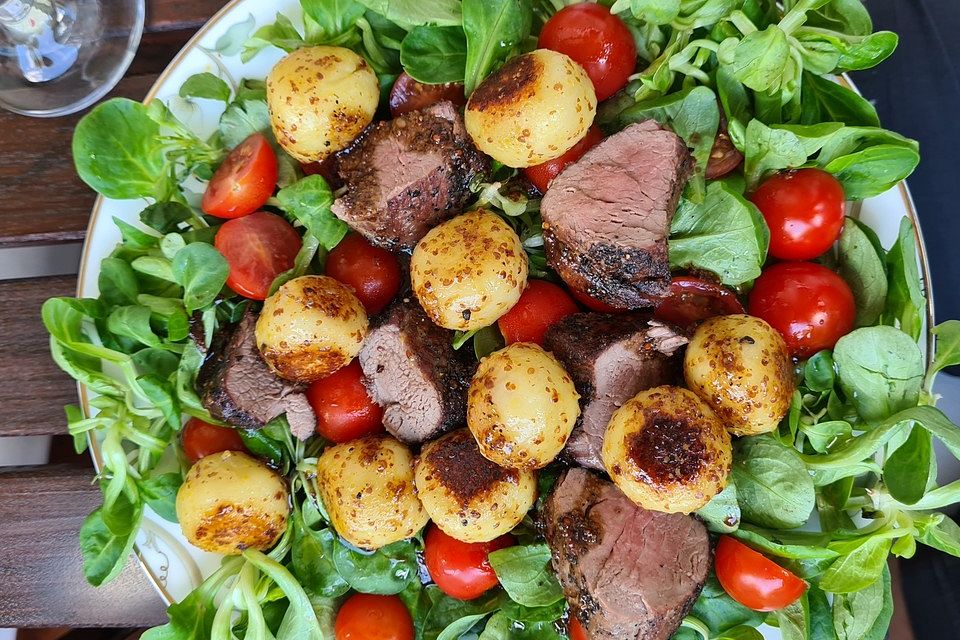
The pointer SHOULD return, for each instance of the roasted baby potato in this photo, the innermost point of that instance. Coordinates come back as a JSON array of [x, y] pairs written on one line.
[[320, 99], [521, 407], [469, 271], [740, 366], [667, 451], [533, 109], [230, 502], [367, 487], [310, 327], [466, 495]]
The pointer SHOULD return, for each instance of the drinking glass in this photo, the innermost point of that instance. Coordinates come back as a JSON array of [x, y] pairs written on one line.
[[60, 56]]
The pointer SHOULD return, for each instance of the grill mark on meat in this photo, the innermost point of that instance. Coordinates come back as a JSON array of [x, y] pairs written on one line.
[[412, 371], [460, 467], [610, 358], [406, 175], [237, 386], [635, 577], [607, 216]]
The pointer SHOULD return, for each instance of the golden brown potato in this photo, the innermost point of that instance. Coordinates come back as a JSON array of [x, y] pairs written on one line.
[[533, 109], [740, 366], [310, 327], [667, 451], [466, 495], [320, 99], [521, 407], [469, 271], [367, 487], [230, 502]]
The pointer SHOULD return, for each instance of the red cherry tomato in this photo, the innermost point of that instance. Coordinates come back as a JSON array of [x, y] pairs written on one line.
[[258, 248], [804, 210], [692, 299], [461, 569], [409, 95], [597, 40], [806, 302], [343, 406], [374, 273], [540, 305], [244, 181], [200, 439], [541, 175], [369, 617], [752, 580], [593, 304], [576, 629]]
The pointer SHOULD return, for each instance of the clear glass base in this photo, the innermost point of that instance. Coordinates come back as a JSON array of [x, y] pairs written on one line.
[[60, 56]]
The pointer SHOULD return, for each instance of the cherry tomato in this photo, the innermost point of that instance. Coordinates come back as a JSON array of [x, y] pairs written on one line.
[[461, 569], [258, 248], [804, 210], [409, 95], [597, 40], [752, 580], [245, 180], [593, 304], [343, 406], [374, 273], [369, 617], [692, 299], [541, 175], [806, 302], [576, 629], [540, 305], [200, 439]]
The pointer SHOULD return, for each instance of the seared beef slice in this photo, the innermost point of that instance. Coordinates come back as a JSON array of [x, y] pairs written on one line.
[[611, 358], [413, 372], [238, 387], [406, 175], [627, 573], [606, 218]]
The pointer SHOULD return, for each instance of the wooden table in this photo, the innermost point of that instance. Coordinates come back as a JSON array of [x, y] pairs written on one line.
[[42, 202]]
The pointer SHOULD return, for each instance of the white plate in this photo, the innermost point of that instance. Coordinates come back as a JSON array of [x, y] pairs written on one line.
[[173, 565]]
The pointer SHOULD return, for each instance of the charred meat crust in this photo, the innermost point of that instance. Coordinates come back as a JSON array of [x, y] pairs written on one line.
[[627, 573], [611, 358], [412, 371], [237, 386], [607, 216], [406, 175]]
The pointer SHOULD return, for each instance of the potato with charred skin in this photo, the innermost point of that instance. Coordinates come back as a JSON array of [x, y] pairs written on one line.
[[466, 495], [532, 110], [522, 407], [320, 99], [368, 490], [469, 271], [230, 501], [667, 450], [310, 327], [741, 367]]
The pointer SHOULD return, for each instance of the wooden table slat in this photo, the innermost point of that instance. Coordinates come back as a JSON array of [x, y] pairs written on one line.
[[41, 575], [33, 390]]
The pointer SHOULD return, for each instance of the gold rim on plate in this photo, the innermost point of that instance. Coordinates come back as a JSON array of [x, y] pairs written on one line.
[[94, 446]]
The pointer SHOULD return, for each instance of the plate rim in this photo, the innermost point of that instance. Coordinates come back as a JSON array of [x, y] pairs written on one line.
[[93, 446]]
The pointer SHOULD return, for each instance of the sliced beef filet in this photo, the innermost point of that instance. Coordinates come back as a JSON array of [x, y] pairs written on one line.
[[238, 387], [607, 217], [413, 372], [627, 573], [406, 175], [611, 358]]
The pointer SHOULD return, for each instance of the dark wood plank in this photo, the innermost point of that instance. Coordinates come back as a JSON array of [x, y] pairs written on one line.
[[32, 389], [41, 510], [41, 199]]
